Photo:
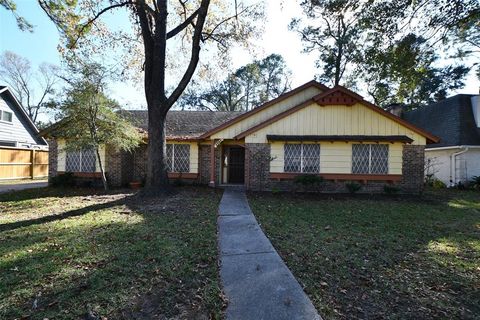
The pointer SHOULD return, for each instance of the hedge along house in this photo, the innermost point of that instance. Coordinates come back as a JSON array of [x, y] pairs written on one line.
[[311, 130]]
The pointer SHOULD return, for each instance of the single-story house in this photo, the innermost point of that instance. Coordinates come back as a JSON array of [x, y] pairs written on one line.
[[311, 130], [23, 152], [456, 120]]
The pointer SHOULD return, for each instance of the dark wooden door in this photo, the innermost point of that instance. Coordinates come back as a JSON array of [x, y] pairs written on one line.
[[236, 165]]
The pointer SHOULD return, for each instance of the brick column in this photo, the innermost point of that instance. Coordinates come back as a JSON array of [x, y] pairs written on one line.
[[257, 166], [113, 166], [413, 168], [52, 158], [211, 183]]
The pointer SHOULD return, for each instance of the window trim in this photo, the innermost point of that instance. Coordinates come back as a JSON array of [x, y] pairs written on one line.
[[172, 159], [370, 158], [301, 158]]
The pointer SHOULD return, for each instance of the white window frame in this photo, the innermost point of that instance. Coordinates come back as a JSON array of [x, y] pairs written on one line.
[[172, 160], [5, 121], [302, 169], [370, 158]]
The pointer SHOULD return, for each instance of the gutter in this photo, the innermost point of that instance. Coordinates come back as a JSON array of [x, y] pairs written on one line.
[[452, 147], [453, 159]]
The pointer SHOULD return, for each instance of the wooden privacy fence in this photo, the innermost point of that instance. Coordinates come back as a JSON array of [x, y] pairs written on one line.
[[23, 163]]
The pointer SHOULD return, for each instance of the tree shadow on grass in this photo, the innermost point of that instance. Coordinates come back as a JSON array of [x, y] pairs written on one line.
[[64, 192], [121, 261], [61, 216]]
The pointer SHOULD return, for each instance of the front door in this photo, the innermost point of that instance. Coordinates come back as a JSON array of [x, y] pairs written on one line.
[[236, 165]]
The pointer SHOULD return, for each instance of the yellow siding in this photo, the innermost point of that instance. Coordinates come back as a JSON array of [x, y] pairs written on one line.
[[335, 120], [336, 157], [193, 154], [62, 156], [233, 130]]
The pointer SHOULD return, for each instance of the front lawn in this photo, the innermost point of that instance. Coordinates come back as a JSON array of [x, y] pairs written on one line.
[[74, 255], [362, 258]]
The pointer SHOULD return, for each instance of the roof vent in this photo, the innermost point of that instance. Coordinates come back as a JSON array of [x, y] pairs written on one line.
[[476, 109]]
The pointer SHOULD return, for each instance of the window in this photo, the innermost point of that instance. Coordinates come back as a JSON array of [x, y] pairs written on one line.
[[80, 160], [178, 158], [6, 116], [370, 158], [303, 158], [8, 143]]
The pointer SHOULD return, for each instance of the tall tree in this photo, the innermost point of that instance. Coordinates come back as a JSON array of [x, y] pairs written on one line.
[[249, 77], [92, 120], [222, 96], [347, 34], [156, 22], [34, 89], [333, 30], [407, 73], [274, 77], [244, 89]]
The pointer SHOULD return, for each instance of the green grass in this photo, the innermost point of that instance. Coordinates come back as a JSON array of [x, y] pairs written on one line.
[[361, 258], [65, 254]]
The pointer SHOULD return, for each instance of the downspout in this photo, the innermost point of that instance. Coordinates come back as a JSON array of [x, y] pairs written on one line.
[[453, 167]]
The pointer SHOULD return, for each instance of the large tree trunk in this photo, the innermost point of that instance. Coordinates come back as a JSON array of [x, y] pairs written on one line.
[[157, 178], [155, 43]]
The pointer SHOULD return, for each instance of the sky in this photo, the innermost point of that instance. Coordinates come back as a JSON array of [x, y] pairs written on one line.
[[41, 46]]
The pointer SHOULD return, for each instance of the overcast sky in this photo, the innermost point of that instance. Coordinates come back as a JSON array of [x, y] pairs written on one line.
[[41, 46]]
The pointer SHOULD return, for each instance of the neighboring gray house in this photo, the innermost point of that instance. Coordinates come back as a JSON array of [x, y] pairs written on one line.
[[456, 120], [23, 152], [16, 128]]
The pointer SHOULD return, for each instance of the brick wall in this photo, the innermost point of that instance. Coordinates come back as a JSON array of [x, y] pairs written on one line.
[[257, 166], [204, 164], [113, 166], [139, 163], [52, 158], [413, 168]]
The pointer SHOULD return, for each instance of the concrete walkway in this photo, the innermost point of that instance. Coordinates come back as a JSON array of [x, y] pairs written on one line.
[[255, 279], [4, 188]]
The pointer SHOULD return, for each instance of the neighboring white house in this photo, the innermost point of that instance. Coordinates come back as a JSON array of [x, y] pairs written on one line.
[[456, 120]]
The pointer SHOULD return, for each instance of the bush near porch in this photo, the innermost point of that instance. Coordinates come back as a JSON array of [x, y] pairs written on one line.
[[396, 258], [77, 255]]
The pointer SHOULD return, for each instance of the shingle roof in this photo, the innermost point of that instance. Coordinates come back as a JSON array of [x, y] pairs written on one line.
[[186, 124], [451, 119]]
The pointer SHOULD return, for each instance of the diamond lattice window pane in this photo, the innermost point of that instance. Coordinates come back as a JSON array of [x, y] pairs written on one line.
[[311, 158], [182, 157], [88, 160], [360, 158], [293, 154], [168, 160], [379, 158], [72, 161]]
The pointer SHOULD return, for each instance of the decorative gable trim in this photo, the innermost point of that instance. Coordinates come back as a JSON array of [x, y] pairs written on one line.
[[338, 96]]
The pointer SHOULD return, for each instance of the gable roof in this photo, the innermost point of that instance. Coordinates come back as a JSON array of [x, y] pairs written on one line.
[[451, 119], [339, 96], [5, 92], [264, 106]]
